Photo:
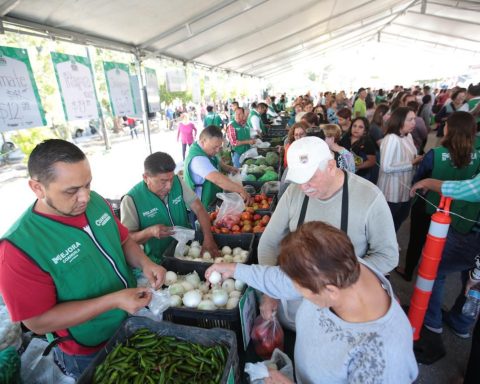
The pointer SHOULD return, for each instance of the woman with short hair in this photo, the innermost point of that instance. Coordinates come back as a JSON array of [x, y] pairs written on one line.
[[349, 326]]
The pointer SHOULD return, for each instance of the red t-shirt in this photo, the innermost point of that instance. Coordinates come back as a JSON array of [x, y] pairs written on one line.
[[28, 291]]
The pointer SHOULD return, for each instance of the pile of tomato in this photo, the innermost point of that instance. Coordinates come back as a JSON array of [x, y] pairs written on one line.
[[260, 202], [247, 222]]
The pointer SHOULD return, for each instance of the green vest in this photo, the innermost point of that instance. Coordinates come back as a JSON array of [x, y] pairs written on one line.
[[471, 104], [82, 266], [151, 210], [243, 133], [212, 119], [443, 169], [209, 190], [252, 113]]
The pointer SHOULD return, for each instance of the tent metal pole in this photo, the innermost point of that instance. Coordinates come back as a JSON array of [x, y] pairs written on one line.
[[106, 138], [141, 84]]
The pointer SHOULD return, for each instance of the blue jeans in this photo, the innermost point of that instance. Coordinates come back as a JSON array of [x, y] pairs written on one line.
[[458, 256], [235, 159], [72, 365]]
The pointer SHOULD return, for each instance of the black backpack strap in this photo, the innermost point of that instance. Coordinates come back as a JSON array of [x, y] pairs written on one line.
[[344, 217], [303, 211]]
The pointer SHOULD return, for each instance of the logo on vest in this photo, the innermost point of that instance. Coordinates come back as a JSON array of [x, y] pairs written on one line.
[[151, 213], [177, 200], [68, 255], [104, 219]]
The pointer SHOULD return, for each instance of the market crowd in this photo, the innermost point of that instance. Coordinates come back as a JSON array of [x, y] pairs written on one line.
[[355, 168]]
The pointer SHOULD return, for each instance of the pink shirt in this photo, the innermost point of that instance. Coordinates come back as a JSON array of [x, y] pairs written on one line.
[[185, 132]]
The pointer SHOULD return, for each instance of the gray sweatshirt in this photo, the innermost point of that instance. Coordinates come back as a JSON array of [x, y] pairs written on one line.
[[330, 350], [370, 223], [370, 228]]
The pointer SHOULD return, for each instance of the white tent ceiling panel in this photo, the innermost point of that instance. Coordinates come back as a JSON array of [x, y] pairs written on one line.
[[257, 37]]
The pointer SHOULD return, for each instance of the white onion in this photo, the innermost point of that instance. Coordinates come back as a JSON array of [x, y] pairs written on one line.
[[236, 251], [170, 278], [235, 294], [239, 285], [228, 258], [244, 254], [176, 289], [228, 285], [193, 279], [187, 286], [207, 255], [226, 250], [215, 277], [191, 299], [232, 303], [194, 252], [203, 287], [175, 301], [207, 305], [195, 244], [219, 297], [238, 259]]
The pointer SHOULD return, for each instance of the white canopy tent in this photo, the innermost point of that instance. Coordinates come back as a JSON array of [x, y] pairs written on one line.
[[261, 38]]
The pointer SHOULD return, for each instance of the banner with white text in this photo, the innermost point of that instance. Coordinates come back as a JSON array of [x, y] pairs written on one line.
[[75, 80], [20, 105], [119, 88]]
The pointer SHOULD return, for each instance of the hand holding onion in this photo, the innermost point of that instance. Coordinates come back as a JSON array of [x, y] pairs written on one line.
[[220, 271]]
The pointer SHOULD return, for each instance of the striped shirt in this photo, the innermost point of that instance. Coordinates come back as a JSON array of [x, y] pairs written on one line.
[[396, 169], [468, 190]]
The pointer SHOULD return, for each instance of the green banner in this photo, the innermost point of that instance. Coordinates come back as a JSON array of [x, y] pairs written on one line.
[[119, 88], [75, 80], [20, 105]]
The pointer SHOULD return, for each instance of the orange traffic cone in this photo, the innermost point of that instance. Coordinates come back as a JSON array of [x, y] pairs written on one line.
[[427, 272]]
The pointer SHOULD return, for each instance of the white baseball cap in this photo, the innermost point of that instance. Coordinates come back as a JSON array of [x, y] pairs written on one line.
[[304, 157]]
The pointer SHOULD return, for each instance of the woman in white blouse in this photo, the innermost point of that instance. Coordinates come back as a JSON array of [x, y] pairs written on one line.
[[398, 157]]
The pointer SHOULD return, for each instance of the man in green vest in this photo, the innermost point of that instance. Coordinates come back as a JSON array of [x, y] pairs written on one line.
[[212, 118], [233, 108], [202, 168], [254, 121], [65, 265], [271, 111], [153, 206], [238, 135]]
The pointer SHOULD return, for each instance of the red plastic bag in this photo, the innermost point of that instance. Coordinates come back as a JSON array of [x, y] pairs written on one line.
[[266, 336]]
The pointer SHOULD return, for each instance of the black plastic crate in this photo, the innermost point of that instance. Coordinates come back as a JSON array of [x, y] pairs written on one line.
[[172, 263], [207, 337], [219, 318]]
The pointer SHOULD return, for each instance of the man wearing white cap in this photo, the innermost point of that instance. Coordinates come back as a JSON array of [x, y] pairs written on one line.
[[322, 192]]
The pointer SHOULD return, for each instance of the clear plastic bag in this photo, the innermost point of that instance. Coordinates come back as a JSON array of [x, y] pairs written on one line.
[[231, 208], [251, 153], [270, 187], [159, 304], [262, 144], [279, 361], [183, 236], [266, 336], [235, 177]]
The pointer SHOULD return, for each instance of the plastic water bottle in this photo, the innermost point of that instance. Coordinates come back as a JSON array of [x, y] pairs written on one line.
[[471, 308]]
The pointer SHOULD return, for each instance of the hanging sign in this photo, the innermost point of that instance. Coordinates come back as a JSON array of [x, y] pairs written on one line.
[[153, 94], [196, 91], [176, 80], [75, 80], [20, 105], [119, 88]]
